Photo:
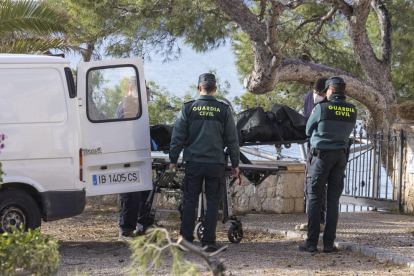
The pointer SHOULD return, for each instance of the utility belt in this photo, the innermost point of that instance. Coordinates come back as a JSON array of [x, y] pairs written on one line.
[[321, 153]]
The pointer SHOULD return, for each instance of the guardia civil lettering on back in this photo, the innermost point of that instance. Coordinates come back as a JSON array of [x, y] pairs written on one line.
[[212, 128], [323, 124], [329, 126]]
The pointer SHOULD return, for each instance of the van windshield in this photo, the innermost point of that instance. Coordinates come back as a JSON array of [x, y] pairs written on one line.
[[113, 94]]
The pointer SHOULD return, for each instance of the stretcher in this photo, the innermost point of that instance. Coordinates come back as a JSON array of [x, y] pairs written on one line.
[[165, 183]]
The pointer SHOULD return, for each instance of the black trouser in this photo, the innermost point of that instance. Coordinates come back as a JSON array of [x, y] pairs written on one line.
[[329, 168], [213, 175], [132, 211], [322, 214]]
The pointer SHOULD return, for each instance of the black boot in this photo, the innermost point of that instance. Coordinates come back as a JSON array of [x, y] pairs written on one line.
[[308, 248], [213, 247], [330, 249]]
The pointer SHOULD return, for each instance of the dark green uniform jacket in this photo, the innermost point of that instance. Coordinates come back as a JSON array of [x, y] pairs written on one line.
[[208, 126], [331, 123]]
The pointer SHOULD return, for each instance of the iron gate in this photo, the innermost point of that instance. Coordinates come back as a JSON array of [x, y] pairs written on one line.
[[372, 180]]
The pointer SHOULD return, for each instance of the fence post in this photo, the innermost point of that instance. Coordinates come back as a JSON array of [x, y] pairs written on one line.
[[374, 165], [400, 169]]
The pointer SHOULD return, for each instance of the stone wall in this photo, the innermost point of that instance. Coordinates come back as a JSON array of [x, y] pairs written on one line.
[[276, 194], [407, 189]]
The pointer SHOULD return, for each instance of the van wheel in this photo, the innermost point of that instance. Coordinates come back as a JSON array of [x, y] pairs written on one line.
[[16, 208]]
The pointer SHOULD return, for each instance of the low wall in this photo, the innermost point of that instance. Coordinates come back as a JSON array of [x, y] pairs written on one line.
[[276, 194]]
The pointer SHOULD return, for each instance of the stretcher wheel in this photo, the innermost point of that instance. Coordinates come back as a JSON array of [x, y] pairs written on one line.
[[199, 230], [235, 234]]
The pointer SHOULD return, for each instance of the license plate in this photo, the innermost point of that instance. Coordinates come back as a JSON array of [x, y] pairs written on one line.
[[115, 178]]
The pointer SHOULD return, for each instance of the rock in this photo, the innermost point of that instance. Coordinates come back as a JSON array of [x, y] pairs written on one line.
[[271, 192], [254, 203], [288, 206], [299, 205], [261, 191], [249, 191], [272, 204], [242, 203]]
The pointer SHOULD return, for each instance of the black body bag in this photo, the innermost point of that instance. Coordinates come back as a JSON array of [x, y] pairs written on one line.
[[252, 127], [161, 134], [292, 124]]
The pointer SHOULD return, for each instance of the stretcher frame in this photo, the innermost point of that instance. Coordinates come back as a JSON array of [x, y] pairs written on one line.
[[164, 183]]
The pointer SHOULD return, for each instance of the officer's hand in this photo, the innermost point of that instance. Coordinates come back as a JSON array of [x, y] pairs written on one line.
[[172, 166], [235, 172]]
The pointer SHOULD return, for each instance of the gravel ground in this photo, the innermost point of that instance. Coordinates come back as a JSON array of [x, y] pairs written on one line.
[[390, 232], [88, 244]]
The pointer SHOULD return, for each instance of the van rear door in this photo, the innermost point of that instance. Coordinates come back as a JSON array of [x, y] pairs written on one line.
[[115, 139]]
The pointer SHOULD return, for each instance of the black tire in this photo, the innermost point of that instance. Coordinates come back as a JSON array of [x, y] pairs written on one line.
[[234, 235], [18, 207], [199, 231]]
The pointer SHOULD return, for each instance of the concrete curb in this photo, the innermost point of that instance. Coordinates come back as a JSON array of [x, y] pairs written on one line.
[[373, 252]]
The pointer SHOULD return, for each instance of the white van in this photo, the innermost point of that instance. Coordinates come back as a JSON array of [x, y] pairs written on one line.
[[63, 141]]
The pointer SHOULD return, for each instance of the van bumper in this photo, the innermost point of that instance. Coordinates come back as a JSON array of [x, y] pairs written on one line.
[[62, 204]]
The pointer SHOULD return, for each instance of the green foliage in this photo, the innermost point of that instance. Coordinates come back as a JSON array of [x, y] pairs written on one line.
[[140, 27], [90, 22], [25, 16], [402, 22], [30, 251], [32, 27], [148, 250], [290, 94], [163, 108], [330, 47], [153, 26]]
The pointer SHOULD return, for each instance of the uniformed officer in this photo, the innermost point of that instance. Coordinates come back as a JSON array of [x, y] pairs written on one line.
[[207, 126], [330, 125]]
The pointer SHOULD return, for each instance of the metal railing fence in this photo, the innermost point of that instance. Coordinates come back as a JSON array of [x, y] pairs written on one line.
[[373, 176]]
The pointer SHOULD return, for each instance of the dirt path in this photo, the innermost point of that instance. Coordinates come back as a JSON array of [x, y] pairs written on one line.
[[88, 244]]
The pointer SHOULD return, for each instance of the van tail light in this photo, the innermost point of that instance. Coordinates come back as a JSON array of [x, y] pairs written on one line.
[[80, 165]]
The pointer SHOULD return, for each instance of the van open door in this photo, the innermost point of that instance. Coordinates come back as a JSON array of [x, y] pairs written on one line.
[[115, 156]]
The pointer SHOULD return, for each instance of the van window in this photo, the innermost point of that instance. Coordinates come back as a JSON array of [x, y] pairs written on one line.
[[113, 94], [32, 96]]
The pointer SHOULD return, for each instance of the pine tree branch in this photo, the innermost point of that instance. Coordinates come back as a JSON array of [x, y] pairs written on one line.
[[262, 9], [385, 28], [322, 22], [343, 6]]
